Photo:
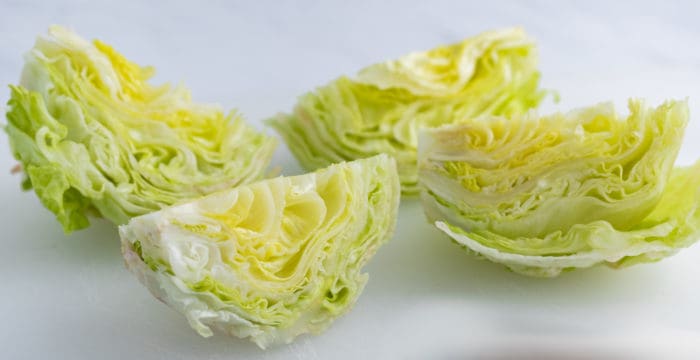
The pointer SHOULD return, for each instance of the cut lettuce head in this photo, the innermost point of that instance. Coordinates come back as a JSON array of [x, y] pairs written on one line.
[[382, 108], [271, 260], [93, 136], [546, 194]]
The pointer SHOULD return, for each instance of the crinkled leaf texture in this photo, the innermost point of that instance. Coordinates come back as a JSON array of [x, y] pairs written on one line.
[[270, 260], [547, 194], [93, 134], [382, 109]]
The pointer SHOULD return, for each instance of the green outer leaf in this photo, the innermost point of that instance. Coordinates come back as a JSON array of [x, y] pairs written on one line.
[[270, 260], [382, 110], [95, 137]]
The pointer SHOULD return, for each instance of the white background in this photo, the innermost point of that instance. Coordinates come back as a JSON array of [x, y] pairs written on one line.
[[71, 297]]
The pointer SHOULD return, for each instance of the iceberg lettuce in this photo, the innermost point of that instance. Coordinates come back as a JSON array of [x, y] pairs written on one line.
[[547, 194], [269, 260], [95, 137], [383, 107]]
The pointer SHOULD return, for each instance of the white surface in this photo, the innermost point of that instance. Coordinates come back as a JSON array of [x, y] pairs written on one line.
[[71, 297]]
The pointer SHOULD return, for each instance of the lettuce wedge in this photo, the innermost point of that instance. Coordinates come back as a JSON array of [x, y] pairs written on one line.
[[547, 194], [270, 260], [382, 109], [95, 137]]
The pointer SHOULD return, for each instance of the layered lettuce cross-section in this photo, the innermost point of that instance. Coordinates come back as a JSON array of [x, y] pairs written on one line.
[[94, 136], [382, 108], [270, 260], [547, 194]]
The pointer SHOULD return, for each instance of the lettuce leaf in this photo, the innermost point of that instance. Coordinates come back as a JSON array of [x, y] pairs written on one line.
[[547, 194], [383, 107], [95, 137], [271, 260]]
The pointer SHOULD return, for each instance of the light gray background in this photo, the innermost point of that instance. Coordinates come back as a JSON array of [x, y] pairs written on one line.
[[71, 297]]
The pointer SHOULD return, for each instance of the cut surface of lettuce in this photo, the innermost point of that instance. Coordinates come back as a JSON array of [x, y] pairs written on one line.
[[95, 137], [547, 194], [269, 260], [383, 107]]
